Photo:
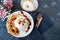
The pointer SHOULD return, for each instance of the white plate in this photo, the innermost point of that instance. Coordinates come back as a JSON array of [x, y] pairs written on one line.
[[31, 26]]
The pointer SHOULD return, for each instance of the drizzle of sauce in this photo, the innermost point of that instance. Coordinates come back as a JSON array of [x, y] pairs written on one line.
[[29, 22], [27, 29]]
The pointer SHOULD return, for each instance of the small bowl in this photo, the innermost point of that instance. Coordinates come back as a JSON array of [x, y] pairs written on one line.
[[33, 4]]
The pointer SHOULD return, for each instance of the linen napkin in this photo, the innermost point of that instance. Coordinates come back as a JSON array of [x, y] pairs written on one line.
[[45, 24]]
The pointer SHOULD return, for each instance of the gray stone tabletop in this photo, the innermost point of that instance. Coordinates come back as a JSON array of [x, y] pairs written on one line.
[[52, 9]]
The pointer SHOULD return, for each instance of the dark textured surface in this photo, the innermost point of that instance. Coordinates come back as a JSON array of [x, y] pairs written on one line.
[[51, 8]]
